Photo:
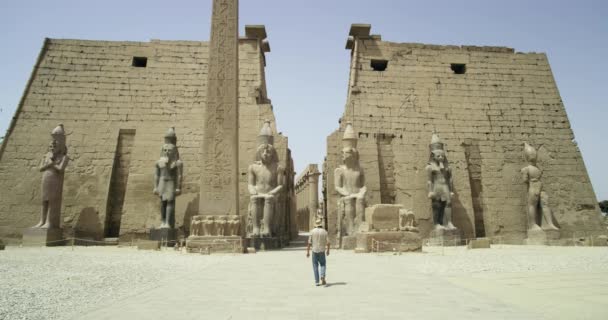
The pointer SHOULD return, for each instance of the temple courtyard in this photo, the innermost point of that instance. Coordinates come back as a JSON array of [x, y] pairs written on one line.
[[504, 282]]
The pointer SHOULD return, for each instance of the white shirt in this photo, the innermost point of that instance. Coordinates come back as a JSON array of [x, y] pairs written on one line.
[[318, 240]]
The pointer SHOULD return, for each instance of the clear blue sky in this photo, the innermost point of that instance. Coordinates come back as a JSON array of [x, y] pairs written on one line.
[[307, 69]]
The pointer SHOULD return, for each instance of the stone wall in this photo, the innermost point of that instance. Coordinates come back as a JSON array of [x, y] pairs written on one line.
[[307, 196], [93, 88], [484, 115]]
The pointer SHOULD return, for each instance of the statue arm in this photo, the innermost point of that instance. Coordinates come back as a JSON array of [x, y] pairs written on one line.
[[524, 175], [429, 180], [156, 178], [60, 167], [179, 176], [251, 181], [450, 181], [338, 183], [363, 189], [280, 181], [45, 163]]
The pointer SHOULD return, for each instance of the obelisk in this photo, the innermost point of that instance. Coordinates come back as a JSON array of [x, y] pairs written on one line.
[[219, 193]]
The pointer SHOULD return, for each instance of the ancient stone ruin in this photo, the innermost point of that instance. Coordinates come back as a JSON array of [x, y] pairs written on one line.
[[483, 103]]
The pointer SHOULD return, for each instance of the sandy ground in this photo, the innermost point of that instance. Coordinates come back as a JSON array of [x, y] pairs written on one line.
[[505, 282]]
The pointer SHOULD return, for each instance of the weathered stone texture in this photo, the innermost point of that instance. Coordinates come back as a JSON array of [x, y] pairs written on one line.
[[484, 115], [93, 89]]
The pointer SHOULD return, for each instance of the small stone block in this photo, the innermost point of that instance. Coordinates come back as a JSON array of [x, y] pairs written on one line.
[[250, 250], [40, 237], [148, 245], [214, 244], [480, 243], [389, 241]]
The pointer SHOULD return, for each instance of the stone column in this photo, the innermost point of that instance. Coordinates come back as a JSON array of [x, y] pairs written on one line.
[[313, 195], [219, 193]]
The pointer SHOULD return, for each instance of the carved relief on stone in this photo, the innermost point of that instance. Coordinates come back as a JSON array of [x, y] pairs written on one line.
[[537, 204], [168, 179], [439, 183], [196, 226], [208, 226], [264, 185], [234, 225], [53, 166], [350, 184]]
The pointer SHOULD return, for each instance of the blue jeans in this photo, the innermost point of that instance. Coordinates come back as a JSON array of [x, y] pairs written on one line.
[[318, 258]]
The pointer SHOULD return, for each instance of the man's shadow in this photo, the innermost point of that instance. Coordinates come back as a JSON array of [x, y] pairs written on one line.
[[329, 284]]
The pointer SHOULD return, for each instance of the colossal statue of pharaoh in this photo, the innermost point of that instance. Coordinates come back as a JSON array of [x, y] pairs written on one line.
[[537, 198], [265, 182], [439, 183], [53, 166], [168, 179], [349, 182]]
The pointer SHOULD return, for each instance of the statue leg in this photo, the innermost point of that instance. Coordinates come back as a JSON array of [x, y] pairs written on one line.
[[43, 213], [447, 212], [360, 210], [54, 213], [255, 223], [170, 212], [438, 210], [349, 215], [268, 211], [533, 211], [163, 214], [544, 206]]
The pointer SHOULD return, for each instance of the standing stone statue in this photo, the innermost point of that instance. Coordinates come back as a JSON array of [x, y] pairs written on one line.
[[52, 167], [349, 182], [440, 185], [168, 179], [538, 200], [264, 184]]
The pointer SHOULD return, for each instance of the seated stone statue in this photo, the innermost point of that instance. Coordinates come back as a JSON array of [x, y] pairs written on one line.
[[234, 224], [349, 182], [440, 188], [53, 166], [208, 226], [264, 184], [196, 225], [537, 198], [222, 225], [407, 221], [168, 179]]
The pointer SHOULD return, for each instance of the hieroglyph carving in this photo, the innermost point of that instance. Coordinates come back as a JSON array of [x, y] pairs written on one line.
[[219, 179]]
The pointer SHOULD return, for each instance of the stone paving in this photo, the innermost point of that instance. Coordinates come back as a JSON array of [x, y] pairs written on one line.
[[509, 282]]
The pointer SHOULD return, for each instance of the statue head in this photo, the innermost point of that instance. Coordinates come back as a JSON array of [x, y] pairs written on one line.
[[529, 153], [438, 154], [266, 153], [170, 139], [169, 151], [57, 145], [349, 145]]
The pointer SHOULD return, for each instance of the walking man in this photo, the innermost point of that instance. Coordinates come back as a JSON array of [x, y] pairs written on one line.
[[318, 241]]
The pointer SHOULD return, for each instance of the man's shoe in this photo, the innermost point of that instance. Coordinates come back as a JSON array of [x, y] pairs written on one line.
[[323, 281], [316, 284]]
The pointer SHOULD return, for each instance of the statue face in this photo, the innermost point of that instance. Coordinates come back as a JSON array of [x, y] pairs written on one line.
[[169, 151], [266, 153], [438, 155], [348, 154]]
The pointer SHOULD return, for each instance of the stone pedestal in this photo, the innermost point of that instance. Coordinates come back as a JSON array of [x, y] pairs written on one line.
[[167, 236], [148, 245], [384, 241], [261, 244], [349, 242], [445, 237], [39, 237], [214, 244], [541, 237]]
